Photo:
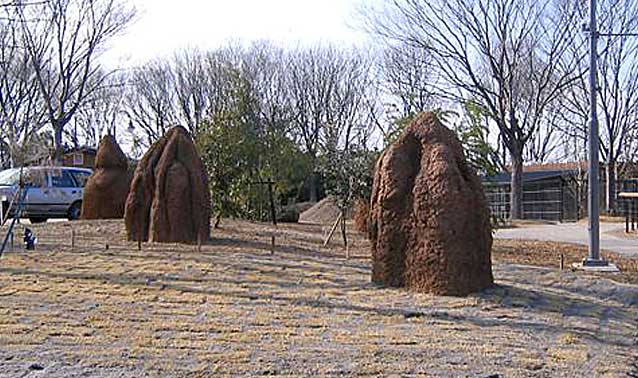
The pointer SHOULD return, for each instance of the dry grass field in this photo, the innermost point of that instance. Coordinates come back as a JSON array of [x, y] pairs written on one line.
[[235, 309]]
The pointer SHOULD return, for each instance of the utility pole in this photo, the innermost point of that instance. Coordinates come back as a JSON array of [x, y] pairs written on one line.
[[593, 206], [593, 261]]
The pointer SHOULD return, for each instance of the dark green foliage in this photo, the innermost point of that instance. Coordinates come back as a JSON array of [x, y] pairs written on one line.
[[241, 153], [348, 175], [473, 132]]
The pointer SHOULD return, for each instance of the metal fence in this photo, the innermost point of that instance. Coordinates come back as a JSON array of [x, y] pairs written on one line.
[[555, 202]]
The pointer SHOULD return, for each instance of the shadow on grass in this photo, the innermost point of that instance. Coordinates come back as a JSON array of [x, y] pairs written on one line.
[[504, 296]]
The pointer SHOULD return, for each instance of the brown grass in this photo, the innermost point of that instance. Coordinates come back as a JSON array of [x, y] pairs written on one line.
[[235, 309], [548, 254]]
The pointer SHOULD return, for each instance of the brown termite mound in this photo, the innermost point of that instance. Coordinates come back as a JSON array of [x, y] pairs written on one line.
[[360, 215], [169, 199], [106, 189], [429, 219]]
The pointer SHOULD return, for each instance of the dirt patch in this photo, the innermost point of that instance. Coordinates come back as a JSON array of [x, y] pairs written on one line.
[[235, 309], [323, 212], [632, 235], [548, 254], [605, 219]]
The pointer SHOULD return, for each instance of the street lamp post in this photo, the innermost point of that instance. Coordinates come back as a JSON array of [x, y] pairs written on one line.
[[593, 260], [593, 206]]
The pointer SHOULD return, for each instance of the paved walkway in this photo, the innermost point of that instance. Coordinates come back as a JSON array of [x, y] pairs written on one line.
[[575, 233]]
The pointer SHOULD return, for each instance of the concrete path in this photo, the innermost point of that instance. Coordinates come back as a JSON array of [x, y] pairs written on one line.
[[575, 233]]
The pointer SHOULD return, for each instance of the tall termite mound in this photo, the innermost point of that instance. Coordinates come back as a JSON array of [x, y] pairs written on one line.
[[169, 199], [106, 189], [429, 220]]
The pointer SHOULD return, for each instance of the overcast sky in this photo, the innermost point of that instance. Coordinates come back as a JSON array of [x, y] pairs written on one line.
[[166, 25]]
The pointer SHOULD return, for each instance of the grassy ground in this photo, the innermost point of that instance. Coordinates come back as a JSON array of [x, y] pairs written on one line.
[[235, 309], [548, 254]]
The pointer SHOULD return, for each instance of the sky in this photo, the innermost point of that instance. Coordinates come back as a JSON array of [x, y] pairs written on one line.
[[164, 26]]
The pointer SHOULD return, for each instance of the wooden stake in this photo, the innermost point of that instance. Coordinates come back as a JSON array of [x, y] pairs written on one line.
[[72, 239], [343, 229], [332, 230], [562, 261], [272, 244]]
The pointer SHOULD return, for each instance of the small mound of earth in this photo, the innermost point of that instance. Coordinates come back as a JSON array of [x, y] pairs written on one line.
[[323, 212], [290, 213]]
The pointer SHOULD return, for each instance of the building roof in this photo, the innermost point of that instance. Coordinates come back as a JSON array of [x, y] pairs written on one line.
[[562, 166], [506, 177], [85, 149]]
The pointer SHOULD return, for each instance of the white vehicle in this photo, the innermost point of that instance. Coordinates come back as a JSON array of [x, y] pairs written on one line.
[[51, 192]]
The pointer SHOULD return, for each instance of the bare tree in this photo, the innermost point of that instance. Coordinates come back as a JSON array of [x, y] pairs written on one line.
[[150, 101], [510, 56], [618, 93], [64, 39], [328, 95], [192, 86], [102, 113], [408, 77], [21, 115]]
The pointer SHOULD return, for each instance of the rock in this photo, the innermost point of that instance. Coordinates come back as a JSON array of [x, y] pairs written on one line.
[[106, 189], [429, 221], [36, 366], [169, 199]]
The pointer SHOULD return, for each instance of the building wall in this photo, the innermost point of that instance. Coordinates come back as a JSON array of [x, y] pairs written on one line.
[[549, 199], [79, 159]]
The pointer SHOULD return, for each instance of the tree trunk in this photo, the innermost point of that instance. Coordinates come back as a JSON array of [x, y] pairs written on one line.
[[57, 144], [611, 188], [516, 185], [314, 187]]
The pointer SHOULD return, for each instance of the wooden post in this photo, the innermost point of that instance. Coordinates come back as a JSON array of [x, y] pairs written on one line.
[[626, 215], [199, 243], [72, 239], [632, 213], [562, 198], [562, 262], [273, 215], [344, 233], [139, 245], [332, 230]]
